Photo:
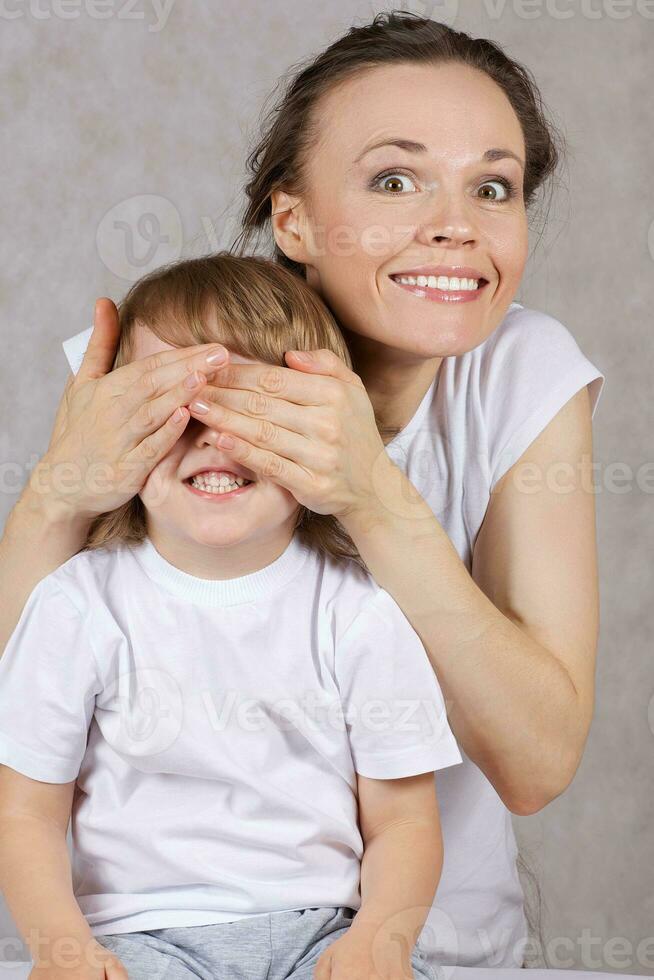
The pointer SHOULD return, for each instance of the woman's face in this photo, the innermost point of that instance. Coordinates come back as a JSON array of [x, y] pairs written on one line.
[[454, 209]]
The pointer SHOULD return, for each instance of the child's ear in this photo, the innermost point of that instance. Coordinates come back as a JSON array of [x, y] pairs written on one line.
[[288, 227]]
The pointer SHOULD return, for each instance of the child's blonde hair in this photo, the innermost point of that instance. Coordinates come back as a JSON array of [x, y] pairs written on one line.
[[261, 311]]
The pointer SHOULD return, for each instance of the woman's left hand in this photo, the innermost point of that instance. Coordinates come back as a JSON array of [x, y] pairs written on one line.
[[309, 427]]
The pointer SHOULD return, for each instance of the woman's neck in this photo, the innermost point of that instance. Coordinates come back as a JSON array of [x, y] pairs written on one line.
[[396, 382]]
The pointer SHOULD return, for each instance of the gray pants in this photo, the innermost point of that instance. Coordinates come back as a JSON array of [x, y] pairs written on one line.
[[279, 946]]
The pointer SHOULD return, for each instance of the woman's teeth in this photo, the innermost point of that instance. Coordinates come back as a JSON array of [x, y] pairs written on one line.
[[439, 282], [213, 483]]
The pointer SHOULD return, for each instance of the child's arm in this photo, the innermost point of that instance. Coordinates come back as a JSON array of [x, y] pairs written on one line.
[[403, 855], [400, 871], [35, 877]]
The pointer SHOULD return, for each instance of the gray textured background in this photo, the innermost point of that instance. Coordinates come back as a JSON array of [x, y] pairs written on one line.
[[100, 114]]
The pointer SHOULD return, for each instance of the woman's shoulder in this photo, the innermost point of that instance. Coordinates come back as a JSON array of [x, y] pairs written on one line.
[[530, 352], [520, 377], [537, 356], [529, 335]]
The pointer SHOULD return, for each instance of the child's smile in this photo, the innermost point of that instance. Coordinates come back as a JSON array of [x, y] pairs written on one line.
[[218, 484]]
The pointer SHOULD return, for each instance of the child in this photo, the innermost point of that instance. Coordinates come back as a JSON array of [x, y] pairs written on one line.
[[209, 688]]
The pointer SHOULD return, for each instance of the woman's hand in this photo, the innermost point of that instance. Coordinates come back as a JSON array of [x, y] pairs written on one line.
[[112, 427], [309, 428]]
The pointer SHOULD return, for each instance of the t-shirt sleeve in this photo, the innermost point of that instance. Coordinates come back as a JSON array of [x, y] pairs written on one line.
[[392, 703], [531, 366], [48, 684]]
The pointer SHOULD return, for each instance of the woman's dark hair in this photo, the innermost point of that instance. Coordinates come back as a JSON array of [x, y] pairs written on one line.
[[291, 128]]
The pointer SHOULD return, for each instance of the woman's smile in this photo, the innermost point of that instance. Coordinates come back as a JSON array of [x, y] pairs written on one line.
[[441, 284]]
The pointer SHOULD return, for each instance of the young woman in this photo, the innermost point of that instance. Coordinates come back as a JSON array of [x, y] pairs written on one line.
[[396, 173]]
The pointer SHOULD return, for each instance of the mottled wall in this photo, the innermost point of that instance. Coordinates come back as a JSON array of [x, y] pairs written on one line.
[[106, 104]]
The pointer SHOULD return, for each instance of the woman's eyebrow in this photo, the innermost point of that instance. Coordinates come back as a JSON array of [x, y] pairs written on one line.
[[490, 156]]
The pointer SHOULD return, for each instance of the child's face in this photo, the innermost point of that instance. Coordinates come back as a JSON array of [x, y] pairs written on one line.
[[261, 514]]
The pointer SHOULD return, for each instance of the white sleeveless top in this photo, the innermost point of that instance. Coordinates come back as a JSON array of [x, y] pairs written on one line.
[[480, 414]]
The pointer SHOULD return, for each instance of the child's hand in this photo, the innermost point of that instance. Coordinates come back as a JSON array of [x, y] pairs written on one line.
[[366, 954], [98, 963]]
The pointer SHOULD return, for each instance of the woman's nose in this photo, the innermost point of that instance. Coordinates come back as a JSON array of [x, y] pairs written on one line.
[[448, 223]]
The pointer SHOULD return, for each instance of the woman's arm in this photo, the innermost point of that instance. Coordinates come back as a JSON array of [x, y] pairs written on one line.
[[400, 871], [513, 645], [37, 539], [42, 531]]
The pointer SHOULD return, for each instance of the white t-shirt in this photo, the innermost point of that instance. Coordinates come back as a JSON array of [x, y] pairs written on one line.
[[215, 728], [480, 414]]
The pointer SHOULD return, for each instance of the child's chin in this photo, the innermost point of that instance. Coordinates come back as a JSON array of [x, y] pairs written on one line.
[[221, 537]]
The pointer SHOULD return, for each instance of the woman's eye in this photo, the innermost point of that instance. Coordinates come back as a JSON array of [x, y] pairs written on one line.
[[496, 190], [393, 182]]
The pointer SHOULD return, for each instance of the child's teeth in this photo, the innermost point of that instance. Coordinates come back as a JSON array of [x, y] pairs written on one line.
[[213, 483]]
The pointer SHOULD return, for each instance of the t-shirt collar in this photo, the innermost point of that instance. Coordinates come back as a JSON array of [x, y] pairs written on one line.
[[222, 592]]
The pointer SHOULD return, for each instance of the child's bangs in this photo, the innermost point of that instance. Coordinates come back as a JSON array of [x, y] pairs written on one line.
[[212, 302]]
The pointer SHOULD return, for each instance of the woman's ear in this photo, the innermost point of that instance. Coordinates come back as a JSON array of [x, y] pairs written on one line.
[[287, 227]]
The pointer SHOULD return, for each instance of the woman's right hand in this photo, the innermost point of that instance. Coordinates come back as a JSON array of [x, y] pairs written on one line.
[[112, 427]]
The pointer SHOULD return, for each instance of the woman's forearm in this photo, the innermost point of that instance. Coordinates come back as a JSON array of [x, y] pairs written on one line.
[[39, 536], [35, 878], [511, 704]]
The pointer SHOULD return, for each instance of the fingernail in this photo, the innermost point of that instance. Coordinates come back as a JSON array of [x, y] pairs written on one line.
[[217, 357], [225, 441], [302, 355], [200, 407]]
